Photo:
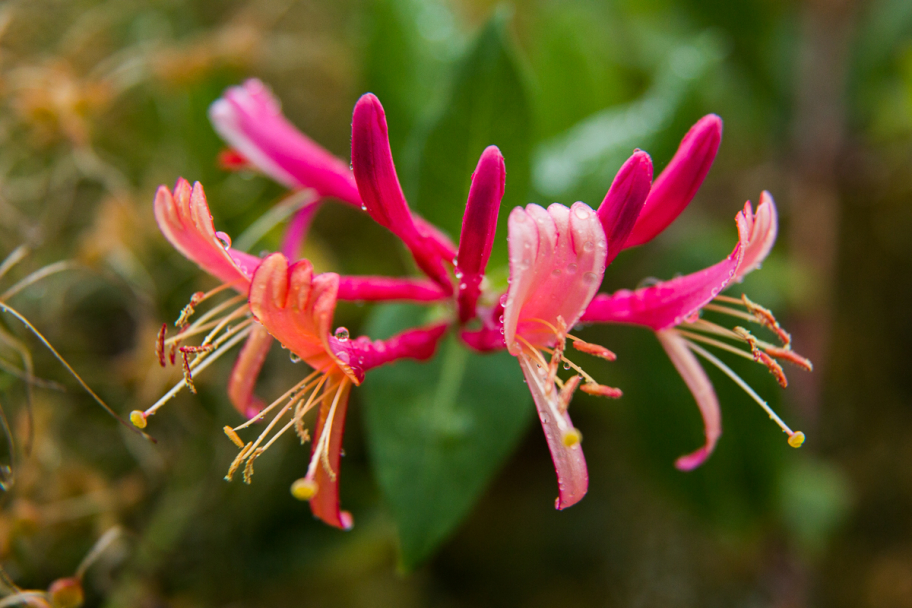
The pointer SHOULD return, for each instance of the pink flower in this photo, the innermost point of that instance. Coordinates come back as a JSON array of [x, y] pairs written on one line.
[[296, 307], [184, 218], [672, 309], [557, 259]]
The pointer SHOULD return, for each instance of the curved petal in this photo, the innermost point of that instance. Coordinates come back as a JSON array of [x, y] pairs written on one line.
[[325, 502], [668, 303], [385, 289], [569, 463], [297, 307], [250, 119], [702, 390], [762, 229], [676, 186], [624, 201], [557, 260], [363, 354], [184, 219], [478, 226], [246, 370]]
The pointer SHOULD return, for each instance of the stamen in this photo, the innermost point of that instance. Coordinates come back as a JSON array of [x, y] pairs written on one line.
[[786, 354], [188, 310], [556, 354], [242, 455], [567, 391], [241, 333], [600, 390], [593, 349], [138, 419], [188, 376], [321, 452], [795, 438], [202, 323], [233, 436], [764, 317], [722, 345], [160, 344], [248, 468], [762, 357]]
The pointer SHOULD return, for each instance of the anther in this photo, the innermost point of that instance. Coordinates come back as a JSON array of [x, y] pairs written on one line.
[[248, 468], [233, 436], [761, 357], [600, 390], [594, 349], [796, 440], [304, 489], [188, 310], [138, 419], [160, 344], [241, 457], [567, 391], [188, 376], [572, 437], [557, 354], [787, 354], [764, 317]]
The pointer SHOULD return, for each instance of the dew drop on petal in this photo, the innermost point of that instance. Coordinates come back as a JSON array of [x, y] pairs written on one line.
[[556, 272], [571, 268], [293, 357], [581, 213], [588, 246], [363, 207], [590, 277], [341, 334], [224, 238]]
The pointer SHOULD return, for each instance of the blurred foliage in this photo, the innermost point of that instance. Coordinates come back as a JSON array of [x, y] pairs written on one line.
[[103, 100]]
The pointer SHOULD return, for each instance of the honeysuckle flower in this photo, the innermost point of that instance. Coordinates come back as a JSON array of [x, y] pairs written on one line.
[[478, 226], [678, 183], [249, 118], [557, 260], [381, 194], [672, 309], [296, 307], [185, 220]]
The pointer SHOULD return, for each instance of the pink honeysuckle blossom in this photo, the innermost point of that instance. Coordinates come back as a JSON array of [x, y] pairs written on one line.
[[678, 183], [672, 309], [296, 307], [249, 118], [557, 259], [185, 220]]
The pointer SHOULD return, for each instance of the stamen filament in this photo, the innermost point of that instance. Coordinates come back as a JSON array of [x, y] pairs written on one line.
[[716, 343], [209, 361], [745, 387], [728, 311], [320, 450], [195, 327], [272, 405]]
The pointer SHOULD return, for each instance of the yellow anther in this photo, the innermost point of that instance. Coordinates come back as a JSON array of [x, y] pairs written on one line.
[[304, 489], [233, 436], [796, 440], [138, 419], [66, 593], [572, 437]]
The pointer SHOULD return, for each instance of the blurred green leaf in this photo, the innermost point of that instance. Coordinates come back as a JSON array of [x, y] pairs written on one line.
[[594, 148], [438, 432], [488, 105], [814, 498]]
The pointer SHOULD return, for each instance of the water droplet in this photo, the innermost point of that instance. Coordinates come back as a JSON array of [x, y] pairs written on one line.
[[363, 207], [590, 277], [581, 213], [526, 262], [520, 217], [503, 300], [462, 286], [343, 357], [588, 246], [341, 334], [501, 319], [224, 238], [556, 272], [566, 365], [571, 268], [458, 273], [294, 358]]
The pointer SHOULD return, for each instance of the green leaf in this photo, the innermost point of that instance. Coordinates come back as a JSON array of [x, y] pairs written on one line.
[[438, 432], [488, 105]]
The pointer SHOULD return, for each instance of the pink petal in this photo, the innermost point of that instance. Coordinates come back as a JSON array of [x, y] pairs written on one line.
[[668, 303], [325, 503], [673, 190], [762, 229], [557, 260], [184, 219], [250, 119], [297, 229], [478, 225], [384, 289], [701, 389], [363, 354], [380, 191], [246, 370], [619, 211], [491, 335], [295, 307], [572, 474]]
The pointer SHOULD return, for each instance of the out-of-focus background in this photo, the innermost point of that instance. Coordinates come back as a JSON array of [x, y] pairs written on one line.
[[102, 101]]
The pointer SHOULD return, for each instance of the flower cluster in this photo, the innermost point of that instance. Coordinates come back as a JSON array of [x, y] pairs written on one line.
[[557, 259]]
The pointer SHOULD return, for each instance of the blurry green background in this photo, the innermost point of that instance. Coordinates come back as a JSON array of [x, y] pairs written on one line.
[[103, 101]]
